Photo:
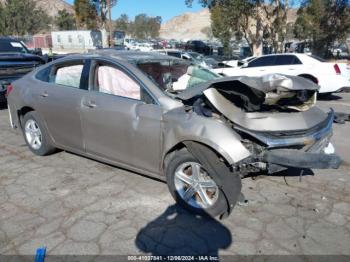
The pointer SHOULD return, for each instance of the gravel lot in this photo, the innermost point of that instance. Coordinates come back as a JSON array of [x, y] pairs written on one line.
[[74, 205]]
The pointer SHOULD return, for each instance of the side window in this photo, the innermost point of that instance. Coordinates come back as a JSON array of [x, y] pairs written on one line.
[[287, 60], [113, 81], [263, 61], [43, 75], [296, 61], [175, 54], [67, 75]]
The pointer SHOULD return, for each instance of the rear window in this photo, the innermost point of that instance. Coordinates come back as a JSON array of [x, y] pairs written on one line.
[[317, 58], [68, 75], [43, 75], [263, 61], [65, 74], [8, 46], [287, 60]]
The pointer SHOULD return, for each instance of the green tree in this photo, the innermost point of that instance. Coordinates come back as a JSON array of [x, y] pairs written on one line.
[[85, 14], [322, 22], [153, 25], [65, 20], [102, 10], [2, 20], [122, 23], [276, 27], [252, 19], [22, 17], [220, 28], [145, 27]]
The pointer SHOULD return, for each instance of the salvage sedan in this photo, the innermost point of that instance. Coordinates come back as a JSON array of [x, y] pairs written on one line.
[[163, 117]]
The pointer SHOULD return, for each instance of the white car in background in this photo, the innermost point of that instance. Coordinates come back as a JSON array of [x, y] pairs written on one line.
[[328, 76], [237, 62]]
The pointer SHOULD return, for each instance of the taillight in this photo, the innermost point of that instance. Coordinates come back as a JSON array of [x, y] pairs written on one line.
[[9, 90], [337, 69]]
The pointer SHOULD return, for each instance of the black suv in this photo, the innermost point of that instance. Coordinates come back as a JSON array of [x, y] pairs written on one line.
[[199, 47], [15, 61]]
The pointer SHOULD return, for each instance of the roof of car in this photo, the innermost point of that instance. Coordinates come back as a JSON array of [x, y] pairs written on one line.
[[128, 55], [7, 38], [296, 54]]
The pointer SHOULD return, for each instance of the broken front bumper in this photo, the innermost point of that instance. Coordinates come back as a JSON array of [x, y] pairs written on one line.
[[295, 158], [311, 149]]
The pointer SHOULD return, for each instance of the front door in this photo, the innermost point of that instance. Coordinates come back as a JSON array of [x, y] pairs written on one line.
[[121, 120]]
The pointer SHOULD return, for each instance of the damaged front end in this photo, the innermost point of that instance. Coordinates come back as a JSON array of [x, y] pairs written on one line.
[[276, 117]]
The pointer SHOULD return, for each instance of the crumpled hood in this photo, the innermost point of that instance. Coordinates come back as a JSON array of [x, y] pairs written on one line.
[[271, 82], [271, 103], [264, 83], [256, 94]]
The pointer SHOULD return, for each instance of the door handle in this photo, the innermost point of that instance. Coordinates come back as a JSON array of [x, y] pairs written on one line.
[[89, 104], [45, 94]]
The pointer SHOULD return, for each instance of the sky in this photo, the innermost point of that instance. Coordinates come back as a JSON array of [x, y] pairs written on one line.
[[164, 8]]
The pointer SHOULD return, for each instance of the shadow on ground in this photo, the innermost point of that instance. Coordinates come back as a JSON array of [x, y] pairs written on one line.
[[328, 97], [178, 232], [3, 106], [294, 172], [289, 172]]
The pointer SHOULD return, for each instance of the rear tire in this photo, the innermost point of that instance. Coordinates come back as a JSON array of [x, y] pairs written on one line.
[[35, 135], [182, 162]]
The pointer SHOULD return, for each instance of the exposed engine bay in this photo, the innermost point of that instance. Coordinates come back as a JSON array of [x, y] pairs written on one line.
[[276, 117]]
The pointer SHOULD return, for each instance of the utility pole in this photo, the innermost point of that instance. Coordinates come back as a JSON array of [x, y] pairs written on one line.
[[109, 22]]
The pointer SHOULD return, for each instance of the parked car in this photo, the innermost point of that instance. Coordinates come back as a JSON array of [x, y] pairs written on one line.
[[199, 47], [237, 62], [327, 75], [194, 57], [15, 61], [119, 107]]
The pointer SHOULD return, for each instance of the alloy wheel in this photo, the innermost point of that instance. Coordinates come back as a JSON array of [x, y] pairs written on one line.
[[195, 186], [33, 134]]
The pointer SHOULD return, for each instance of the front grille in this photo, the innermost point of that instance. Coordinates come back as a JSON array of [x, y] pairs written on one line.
[[305, 139], [300, 133]]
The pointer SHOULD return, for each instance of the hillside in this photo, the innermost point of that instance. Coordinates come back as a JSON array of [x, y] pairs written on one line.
[[51, 7], [186, 26], [189, 25]]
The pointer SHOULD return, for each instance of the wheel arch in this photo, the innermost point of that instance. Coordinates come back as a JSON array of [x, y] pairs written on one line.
[[310, 77], [182, 145], [22, 112]]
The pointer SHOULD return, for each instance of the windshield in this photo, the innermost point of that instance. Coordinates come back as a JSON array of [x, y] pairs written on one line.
[[8, 46], [175, 75]]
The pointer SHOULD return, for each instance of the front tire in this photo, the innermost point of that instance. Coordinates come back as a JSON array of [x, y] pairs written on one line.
[[192, 187], [35, 135]]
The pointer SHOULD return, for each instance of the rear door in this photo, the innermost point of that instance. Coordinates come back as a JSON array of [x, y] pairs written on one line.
[[121, 118], [260, 66], [287, 64], [58, 101]]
